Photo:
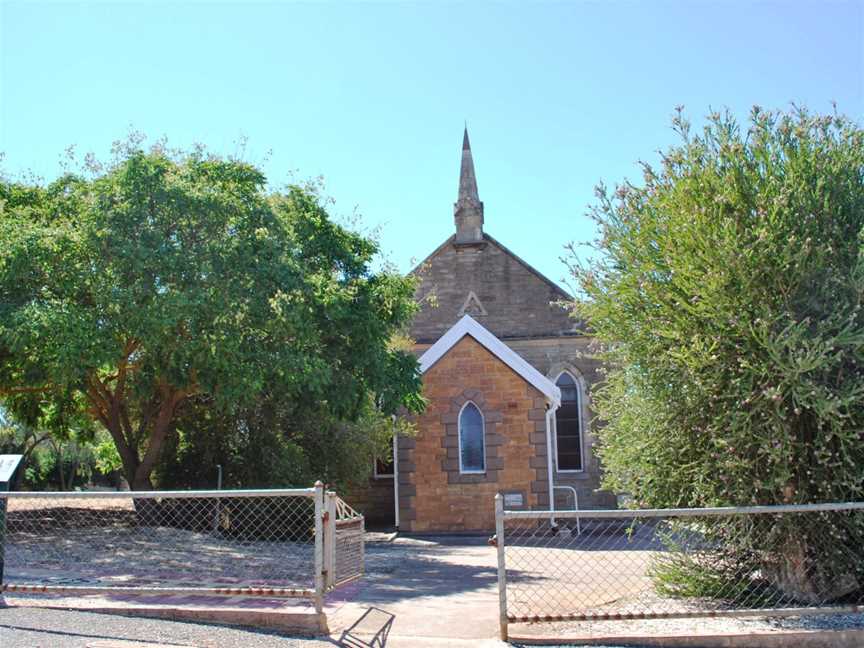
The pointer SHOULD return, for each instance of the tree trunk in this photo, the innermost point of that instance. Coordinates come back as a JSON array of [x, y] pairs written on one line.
[[149, 511], [72, 473], [25, 458], [156, 439], [58, 454], [154, 425], [803, 572]]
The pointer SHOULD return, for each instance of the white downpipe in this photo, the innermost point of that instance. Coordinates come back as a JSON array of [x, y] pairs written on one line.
[[395, 475], [550, 466]]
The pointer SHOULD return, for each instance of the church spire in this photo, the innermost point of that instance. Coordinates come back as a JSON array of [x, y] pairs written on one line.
[[468, 210]]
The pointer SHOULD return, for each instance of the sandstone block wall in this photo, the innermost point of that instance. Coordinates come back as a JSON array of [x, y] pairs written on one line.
[[551, 356], [375, 501], [434, 496], [516, 298]]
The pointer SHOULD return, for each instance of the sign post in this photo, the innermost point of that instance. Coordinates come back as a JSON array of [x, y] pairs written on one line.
[[8, 466]]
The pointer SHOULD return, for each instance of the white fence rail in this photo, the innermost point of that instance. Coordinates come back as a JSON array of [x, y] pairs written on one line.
[[297, 543], [574, 566]]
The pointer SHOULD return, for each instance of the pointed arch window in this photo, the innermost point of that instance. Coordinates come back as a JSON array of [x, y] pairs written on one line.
[[472, 444], [568, 425]]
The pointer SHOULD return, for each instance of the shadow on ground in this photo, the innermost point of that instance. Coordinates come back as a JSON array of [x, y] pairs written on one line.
[[369, 631], [425, 567]]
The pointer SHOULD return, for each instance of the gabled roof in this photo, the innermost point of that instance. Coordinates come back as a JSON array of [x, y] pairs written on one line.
[[490, 239], [563, 293], [469, 326]]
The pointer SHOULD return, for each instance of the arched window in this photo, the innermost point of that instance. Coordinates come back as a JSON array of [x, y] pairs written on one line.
[[568, 425], [472, 447]]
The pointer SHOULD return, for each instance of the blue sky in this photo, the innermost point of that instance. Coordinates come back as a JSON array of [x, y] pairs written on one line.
[[558, 96]]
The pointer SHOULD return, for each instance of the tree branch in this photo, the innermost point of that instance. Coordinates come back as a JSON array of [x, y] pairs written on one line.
[[171, 398], [107, 411], [11, 391]]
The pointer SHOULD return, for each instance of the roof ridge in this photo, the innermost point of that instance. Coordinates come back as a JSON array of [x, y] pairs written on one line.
[[528, 266]]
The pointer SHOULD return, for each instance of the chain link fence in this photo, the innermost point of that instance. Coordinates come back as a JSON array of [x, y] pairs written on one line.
[[650, 564], [270, 543]]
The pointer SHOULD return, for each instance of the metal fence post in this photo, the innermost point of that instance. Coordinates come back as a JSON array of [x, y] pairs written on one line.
[[217, 518], [330, 540], [362, 544], [319, 546], [502, 566], [8, 466], [2, 533]]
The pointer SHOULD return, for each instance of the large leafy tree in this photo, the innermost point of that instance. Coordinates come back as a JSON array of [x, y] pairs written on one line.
[[727, 295], [169, 279], [273, 440]]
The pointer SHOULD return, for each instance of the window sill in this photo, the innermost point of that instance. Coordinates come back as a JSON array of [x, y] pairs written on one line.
[[573, 474]]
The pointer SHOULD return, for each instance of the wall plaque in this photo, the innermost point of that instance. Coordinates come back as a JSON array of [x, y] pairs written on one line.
[[513, 500]]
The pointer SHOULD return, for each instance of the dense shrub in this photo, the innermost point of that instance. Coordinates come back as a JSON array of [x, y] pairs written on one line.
[[727, 297]]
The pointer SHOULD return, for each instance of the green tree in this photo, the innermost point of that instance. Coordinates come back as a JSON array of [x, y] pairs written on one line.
[[173, 277], [274, 441], [21, 440], [53, 460], [727, 297]]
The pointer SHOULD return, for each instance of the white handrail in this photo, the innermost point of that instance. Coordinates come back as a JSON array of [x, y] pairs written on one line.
[[575, 506]]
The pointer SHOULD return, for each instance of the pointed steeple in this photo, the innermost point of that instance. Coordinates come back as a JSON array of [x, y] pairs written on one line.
[[468, 210]]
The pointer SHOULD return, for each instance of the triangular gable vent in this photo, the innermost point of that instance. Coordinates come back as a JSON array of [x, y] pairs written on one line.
[[472, 306]]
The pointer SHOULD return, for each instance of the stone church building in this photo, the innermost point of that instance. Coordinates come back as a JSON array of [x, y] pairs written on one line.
[[507, 376]]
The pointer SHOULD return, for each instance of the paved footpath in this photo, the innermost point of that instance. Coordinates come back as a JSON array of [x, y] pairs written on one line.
[[43, 628]]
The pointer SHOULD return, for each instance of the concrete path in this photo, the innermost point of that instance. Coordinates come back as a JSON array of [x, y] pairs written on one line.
[[419, 592]]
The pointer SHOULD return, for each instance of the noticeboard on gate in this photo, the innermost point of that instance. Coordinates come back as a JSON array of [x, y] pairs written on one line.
[[8, 464]]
